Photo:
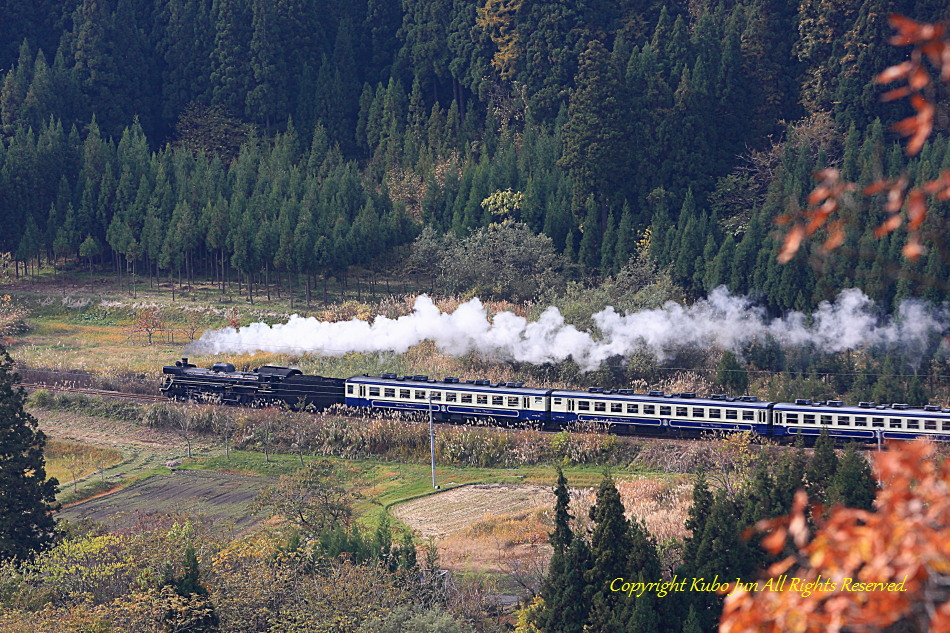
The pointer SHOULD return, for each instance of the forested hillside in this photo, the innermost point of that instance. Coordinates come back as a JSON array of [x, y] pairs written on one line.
[[284, 142]]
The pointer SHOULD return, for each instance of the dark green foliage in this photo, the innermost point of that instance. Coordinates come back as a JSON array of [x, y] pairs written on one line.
[[609, 118], [698, 515], [731, 375], [612, 549], [823, 466], [562, 535], [853, 484], [26, 496], [565, 590]]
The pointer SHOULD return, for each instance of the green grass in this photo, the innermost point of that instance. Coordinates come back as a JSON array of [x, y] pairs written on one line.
[[385, 484]]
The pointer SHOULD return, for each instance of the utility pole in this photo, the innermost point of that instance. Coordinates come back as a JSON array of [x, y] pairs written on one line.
[[432, 441]]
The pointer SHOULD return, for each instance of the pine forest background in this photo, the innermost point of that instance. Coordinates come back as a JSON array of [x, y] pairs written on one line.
[[288, 141]]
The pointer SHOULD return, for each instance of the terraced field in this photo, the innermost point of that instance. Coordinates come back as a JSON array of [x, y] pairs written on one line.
[[222, 497]]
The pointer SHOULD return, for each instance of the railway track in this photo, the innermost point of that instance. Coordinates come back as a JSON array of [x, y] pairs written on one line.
[[95, 392]]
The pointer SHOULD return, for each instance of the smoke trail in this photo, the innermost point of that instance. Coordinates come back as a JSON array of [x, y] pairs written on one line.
[[722, 320]]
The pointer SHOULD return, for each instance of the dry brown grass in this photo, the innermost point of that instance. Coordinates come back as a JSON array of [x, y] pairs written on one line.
[[515, 544], [661, 504], [64, 459]]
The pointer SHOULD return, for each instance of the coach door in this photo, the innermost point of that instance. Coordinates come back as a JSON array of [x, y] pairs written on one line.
[[570, 404], [362, 391]]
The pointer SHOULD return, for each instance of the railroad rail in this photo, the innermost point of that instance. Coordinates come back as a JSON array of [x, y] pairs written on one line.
[[95, 392]]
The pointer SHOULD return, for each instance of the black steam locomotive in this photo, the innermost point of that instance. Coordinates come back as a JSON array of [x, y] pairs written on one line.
[[267, 385]]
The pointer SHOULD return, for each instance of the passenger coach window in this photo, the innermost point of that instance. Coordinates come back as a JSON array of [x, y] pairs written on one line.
[[791, 418], [436, 395], [699, 413], [420, 394], [451, 397], [665, 411], [467, 397], [913, 424], [404, 393], [896, 423], [945, 426], [748, 415], [349, 389], [844, 420], [633, 408], [826, 419], [715, 413], [512, 401], [649, 409], [681, 412], [481, 399], [732, 414], [930, 425], [879, 422], [860, 421], [389, 393], [374, 391], [616, 407], [600, 406], [498, 401], [557, 401], [583, 405], [808, 418]]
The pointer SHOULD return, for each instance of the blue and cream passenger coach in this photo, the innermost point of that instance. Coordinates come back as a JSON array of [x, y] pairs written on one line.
[[450, 399]]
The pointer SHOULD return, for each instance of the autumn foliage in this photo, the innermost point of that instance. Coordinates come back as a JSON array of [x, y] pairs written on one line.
[[906, 537], [929, 59]]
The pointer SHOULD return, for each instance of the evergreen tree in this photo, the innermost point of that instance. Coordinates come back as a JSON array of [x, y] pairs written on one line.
[[611, 546], [697, 516], [595, 134], [562, 535], [823, 466], [26, 496], [731, 375], [853, 484], [567, 592], [565, 586]]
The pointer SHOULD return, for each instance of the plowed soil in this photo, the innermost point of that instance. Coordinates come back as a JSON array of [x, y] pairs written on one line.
[[222, 497]]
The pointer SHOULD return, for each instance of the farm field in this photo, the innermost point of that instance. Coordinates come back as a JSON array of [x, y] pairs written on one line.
[[66, 460], [224, 498]]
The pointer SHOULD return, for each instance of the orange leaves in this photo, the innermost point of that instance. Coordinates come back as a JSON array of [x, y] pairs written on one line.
[[824, 200], [793, 240], [931, 46], [929, 43], [902, 545], [919, 126]]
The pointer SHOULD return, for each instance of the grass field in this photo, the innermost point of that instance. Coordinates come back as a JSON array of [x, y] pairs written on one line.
[[66, 460]]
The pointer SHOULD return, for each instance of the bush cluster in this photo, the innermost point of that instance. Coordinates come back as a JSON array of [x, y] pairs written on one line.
[[400, 439], [89, 405]]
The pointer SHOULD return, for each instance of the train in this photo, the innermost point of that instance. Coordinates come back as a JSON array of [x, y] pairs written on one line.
[[512, 403]]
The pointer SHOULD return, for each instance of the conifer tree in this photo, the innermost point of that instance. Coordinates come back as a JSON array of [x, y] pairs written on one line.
[[697, 516], [853, 484], [823, 466], [26, 496], [565, 586], [611, 545], [731, 375]]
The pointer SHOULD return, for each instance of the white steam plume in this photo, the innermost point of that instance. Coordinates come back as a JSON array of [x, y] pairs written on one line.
[[721, 320]]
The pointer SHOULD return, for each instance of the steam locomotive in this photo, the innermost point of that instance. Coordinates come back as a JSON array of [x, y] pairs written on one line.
[[656, 412]]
